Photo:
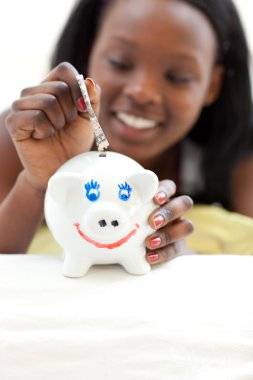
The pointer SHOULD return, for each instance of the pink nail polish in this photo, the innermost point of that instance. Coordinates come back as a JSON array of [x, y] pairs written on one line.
[[155, 241], [81, 104], [158, 221], [153, 257], [161, 197]]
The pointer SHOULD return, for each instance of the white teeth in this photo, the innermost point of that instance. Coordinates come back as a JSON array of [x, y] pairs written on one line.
[[136, 122]]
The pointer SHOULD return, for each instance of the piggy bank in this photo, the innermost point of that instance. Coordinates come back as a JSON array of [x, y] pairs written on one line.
[[97, 209]]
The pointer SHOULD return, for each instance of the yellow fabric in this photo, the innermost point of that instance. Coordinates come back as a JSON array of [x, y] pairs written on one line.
[[44, 243], [217, 231], [220, 231]]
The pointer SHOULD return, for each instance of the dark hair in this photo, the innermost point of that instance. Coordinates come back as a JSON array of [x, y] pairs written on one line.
[[227, 132]]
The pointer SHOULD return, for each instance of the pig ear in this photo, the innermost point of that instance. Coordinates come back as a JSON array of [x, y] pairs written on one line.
[[61, 186], [146, 183]]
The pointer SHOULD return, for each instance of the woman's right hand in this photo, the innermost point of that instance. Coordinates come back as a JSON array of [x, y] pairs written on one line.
[[49, 125]]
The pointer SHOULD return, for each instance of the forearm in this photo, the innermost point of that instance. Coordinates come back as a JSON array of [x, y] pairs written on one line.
[[21, 213]]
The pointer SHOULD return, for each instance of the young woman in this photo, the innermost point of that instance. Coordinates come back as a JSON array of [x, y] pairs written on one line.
[[174, 79]]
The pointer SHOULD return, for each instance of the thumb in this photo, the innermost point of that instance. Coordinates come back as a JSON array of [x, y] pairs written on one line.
[[94, 93]]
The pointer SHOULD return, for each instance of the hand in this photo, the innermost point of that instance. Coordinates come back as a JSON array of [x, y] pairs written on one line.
[[49, 125], [171, 227]]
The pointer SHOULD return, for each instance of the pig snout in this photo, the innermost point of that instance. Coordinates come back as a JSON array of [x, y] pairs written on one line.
[[107, 219], [103, 223]]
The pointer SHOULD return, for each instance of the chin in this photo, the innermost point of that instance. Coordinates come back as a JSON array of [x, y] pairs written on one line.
[[138, 152]]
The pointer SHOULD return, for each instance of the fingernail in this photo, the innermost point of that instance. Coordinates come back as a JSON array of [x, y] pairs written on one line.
[[158, 221], [189, 200], [91, 81], [161, 197], [81, 104], [155, 241], [153, 257]]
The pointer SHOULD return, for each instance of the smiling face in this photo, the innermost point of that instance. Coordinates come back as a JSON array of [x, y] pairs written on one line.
[[155, 64]]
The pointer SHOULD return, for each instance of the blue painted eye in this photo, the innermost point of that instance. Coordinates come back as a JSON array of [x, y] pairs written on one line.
[[124, 191], [92, 190]]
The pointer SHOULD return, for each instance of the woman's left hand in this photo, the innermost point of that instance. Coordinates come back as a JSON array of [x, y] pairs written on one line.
[[168, 241]]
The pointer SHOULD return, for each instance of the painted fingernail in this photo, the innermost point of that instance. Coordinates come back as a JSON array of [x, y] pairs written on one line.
[[155, 241], [81, 104], [161, 197], [158, 221], [153, 257]]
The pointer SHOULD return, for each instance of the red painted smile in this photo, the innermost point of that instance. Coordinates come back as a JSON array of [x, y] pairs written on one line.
[[110, 245]]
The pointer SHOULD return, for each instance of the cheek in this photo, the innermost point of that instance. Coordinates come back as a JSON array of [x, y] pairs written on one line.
[[109, 92], [108, 85], [99, 71], [185, 106]]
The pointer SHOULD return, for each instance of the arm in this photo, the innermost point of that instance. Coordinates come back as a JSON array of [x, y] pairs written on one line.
[[18, 201], [242, 186], [45, 130], [20, 215]]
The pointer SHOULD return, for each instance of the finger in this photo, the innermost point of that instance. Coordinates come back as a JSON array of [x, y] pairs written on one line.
[[168, 253], [165, 191], [45, 103], [61, 91], [94, 94], [23, 125], [170, 234], [67, 73], [171, 210]]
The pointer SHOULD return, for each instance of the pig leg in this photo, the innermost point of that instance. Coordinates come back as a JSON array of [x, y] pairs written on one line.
[[75, 264], [136, 263]]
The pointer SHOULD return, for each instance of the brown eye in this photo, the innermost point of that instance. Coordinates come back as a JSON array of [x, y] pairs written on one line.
[[179, 78], [119, 65]]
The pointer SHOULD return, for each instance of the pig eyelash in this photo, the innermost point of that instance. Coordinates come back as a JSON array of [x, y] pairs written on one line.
[[124, 191], [92, 190]]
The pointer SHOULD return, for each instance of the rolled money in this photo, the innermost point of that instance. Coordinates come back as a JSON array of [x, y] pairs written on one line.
[[101, 140]]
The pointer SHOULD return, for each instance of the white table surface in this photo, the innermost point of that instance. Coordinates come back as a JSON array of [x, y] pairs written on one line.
[[189, 319]]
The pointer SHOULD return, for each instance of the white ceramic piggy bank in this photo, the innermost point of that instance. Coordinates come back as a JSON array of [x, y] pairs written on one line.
[[97, 210]]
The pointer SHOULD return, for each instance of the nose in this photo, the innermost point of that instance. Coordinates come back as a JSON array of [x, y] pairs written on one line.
[[144, 88]]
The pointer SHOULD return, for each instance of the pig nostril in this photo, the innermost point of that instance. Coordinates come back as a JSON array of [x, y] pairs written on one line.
[[102, 223], [115, 223]]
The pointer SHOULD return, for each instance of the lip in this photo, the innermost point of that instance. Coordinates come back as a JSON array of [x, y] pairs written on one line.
[[113, 245]]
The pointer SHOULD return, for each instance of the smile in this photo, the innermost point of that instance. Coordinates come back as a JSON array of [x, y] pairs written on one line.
[[110, 245], [136, 122]]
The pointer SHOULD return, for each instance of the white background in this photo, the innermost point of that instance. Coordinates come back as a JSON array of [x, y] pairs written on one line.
[[28, 32]]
